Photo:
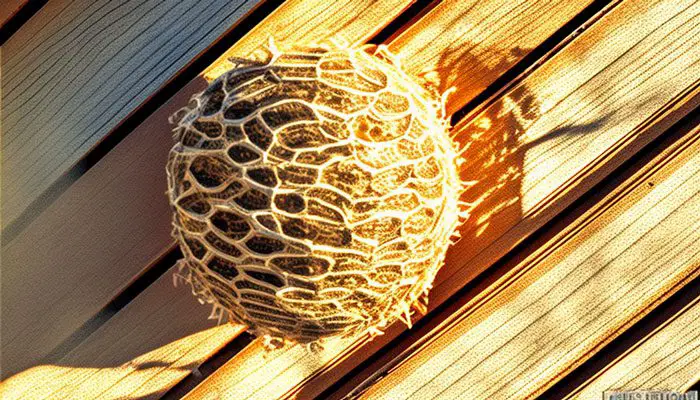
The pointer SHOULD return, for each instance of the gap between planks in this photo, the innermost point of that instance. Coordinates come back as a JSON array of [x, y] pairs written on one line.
[[570, 298], [74, 71], [14, 14], [668, 358], [356, 20], [133, 118], [128, 184], [424, 330], [604, 95]]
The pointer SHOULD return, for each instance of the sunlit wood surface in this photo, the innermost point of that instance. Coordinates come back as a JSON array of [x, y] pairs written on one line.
[[548, 139], [257, 373], [577, 293], [150, 345], [127, 185], [553, 129], [76, 69], [147, 376], [115, 220], [577, 116], [9, 8], [309, 22], [468, 44], [668, 358]]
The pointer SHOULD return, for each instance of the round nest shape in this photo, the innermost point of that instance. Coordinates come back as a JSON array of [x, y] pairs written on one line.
[[314, 193]]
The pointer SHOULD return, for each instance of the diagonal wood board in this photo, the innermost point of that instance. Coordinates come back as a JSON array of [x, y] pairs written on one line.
[[75, 70], [128, 185], [115, 221], [667, 358], [544, 132], [569, 298], [569, 118]]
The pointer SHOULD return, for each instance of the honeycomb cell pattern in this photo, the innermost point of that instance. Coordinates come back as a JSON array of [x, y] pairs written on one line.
[[315, 192]]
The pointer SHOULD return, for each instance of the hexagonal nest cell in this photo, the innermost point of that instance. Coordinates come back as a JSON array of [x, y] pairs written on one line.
[[314, 193]]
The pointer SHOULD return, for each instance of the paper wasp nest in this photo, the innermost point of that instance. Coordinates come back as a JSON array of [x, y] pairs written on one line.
[[314, 194]]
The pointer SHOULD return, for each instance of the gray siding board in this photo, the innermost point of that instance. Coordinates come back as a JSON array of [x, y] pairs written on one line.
[[76, 69]]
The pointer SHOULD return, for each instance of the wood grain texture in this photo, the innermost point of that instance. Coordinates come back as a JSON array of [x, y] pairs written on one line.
[[577, 117], [668, 358], [570, 298], [135, 354], [468, 44], [258, 373], [544, 142], [315, 22], [50, 290], [115, 220], [75, 69], [127, 186], [10, 8]]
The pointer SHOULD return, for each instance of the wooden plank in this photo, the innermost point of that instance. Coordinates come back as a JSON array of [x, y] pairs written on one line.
[[127, 339], [128, 182], [66, 382], [551, 137], [571, 297], [668, 358], [127, 185], [111, 364], [9, 9], [468, 44], [592, 105], [88, 257], [74, 70]]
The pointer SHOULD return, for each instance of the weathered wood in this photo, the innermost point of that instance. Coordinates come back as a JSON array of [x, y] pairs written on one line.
[[668, 358], [468, 44], [135, 354], [127, 186], [575, 118], [115, 220], [571, 297], [9, 9], [74, 70]]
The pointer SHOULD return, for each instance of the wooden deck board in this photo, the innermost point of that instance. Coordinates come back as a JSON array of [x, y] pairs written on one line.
[[588, 284], [547, 140], [135, 354], [143, 378], [668, 358], [74, 70], [9, 9], [115, 220], [572, 98], [468, 44], [127, 186], [579, 124]]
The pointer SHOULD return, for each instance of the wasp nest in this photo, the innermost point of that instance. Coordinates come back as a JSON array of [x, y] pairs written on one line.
[[314, 194]]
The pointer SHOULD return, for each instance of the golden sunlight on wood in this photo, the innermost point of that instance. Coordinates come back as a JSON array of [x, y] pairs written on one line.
[[284, 372], [468, 44], [148, 375], [126, 185], [551, 129], [667, 358], [312, 21], [257, 373], [648, 56], [546, 140], [571, 297]]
